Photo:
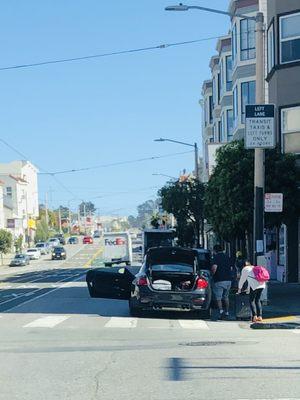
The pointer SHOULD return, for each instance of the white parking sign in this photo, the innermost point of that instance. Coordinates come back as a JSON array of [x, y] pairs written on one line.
[[260, 129], [273, 202]]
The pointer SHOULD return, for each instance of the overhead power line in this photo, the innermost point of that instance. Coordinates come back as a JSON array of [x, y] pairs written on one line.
[[24, 157], [109, 54], [68, 171]]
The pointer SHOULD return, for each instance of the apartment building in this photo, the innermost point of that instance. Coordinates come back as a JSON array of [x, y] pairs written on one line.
[[283, 77], [20, 198]]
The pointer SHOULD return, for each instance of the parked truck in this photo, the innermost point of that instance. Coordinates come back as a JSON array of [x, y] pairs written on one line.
[[117, 248], [157, 238]]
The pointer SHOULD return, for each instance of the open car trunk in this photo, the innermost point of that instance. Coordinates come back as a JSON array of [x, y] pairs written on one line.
[[172, 269]]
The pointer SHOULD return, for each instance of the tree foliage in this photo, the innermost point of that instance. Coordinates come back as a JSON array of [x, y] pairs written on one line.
[[42, 230], [144, 214], [229, 194], [86, 208], [6, 241], [185, 200]]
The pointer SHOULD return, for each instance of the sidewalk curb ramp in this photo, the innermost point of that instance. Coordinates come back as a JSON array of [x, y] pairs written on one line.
[[276, 325]]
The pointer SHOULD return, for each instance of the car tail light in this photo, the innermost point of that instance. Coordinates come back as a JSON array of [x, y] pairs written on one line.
[[142, 281], [202, 283]]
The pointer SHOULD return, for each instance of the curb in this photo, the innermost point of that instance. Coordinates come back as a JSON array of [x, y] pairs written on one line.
[[276, 325]]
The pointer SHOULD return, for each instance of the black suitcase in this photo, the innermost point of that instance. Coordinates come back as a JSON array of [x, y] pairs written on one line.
[[242, 307]]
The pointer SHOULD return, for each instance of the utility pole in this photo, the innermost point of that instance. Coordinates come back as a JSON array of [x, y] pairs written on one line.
[[84, 216], [197, 172], [259, 155], [59, 219], [70, 217], [46, 209]]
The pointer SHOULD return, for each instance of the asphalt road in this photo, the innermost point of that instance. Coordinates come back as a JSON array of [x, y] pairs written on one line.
[[61, 344]]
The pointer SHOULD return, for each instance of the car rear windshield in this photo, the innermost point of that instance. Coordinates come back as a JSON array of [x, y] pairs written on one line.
[[40, 245], [19, 256], [58, 249], [172, 268], [32, 250]]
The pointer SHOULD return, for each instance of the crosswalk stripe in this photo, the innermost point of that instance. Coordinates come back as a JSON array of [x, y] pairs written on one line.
[[192, 324], [46, 322], [118, 322]]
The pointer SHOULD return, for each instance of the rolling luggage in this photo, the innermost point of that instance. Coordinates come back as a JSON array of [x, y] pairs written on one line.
[[242, 307]]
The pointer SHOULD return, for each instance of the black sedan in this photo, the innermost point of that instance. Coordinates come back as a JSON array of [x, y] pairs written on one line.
[[73, 240], [170, 278], [59, 253], [20, 260]]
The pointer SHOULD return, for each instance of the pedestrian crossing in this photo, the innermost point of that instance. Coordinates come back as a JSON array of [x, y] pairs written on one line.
[[32, 321], [98, 322]]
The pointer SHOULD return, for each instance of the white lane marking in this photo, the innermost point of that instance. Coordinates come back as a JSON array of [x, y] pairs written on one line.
[[119, 322], [5, 287], [46, 322], [43, 294], [192, 324], [296, 331]]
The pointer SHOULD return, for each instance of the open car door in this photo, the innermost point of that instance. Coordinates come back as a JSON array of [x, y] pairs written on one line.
[[110, 283]]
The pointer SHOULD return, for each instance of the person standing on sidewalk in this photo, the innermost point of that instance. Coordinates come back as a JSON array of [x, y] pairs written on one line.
[[222, 274], [255, 287]]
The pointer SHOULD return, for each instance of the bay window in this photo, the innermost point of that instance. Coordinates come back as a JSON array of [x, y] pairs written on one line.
[[290, 129], [271, 48], [228, 73], [247, 96], [290, 38], [247, 39], [235, 107], [229, 125]]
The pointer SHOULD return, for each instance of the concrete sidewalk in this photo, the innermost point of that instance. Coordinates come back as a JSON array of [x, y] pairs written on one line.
[[284, 301]]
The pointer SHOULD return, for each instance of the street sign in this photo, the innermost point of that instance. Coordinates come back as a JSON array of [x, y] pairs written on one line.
[[260, 126], [273, 202]]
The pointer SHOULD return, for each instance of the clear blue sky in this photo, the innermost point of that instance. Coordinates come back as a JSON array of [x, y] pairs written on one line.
[[105, 110]]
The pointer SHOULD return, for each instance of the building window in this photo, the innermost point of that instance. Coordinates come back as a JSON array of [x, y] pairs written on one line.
[[211, 106], [271, 49], [9, 191], [247, 96], [219, 89], [221, 78], [219, 130], [222, 132], [229, 125], [234, 44], [247, 39], [235, 107], [214, 99], [228, 73], [290, 38], [290, 129]]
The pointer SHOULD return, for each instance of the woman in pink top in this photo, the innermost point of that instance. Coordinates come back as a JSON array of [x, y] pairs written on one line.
[[256, 288]]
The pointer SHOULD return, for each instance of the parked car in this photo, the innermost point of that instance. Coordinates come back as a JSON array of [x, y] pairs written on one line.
[[97, 234], [59, 253], [53, 242], [33, 253], [20, 260], [170, 277], [61, 238], [87, 240], [73, 240], [43, 247]]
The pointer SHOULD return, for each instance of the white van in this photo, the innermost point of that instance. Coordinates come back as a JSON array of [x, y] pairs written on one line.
[[117, 248]]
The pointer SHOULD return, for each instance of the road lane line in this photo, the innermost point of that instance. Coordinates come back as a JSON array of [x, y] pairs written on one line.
[[192, 324], [40, 296], [46, 322], [119, 322]]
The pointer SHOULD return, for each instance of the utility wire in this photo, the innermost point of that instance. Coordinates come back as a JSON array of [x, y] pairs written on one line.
[[24, 157], [114, 164], [109, 54]]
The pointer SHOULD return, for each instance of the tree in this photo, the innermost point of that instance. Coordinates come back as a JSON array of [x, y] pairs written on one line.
[[86, 208], [42, 230], [145, 212], [229, 194], [6, 241], [18, 243], [185, 200]]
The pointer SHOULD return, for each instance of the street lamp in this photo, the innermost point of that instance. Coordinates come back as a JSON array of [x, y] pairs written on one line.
[[259, 153], [195, 146]]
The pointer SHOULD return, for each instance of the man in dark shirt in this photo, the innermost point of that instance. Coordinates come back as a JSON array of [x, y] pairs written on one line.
[[221, 270]]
